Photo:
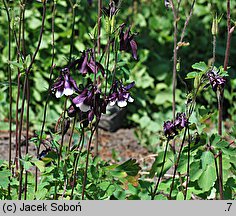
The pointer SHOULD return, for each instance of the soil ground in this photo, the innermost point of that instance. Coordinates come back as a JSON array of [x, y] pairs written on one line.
[[113, 146]]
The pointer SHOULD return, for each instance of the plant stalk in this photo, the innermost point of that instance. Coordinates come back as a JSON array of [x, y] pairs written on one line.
[[162, 168], [177, 164]]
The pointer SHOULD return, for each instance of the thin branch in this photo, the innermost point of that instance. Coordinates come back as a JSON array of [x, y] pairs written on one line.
[[177, 164], [186, 24], [160, 174], [10, 88], [229, 35]]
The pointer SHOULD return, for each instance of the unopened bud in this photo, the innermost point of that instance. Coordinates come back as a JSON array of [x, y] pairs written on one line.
[[214, 28]]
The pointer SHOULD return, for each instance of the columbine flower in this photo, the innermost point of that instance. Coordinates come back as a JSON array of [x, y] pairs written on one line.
[[169, 129], [181, 121], [84, 100], [127, 41], [86, 64], [89, 103], [65, 84], [216, 80], [120, 94]]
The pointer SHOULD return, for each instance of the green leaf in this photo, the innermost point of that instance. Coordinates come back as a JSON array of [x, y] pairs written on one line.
[[41, 194], [156, 166], [195, 170], [40, 164], [94, 172], [207, 179], [207, 159], [131, 167], [200, 66], [4, 180], [191, 75]]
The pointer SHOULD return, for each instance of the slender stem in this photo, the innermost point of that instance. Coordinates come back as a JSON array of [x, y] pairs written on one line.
[[220, 110], [62, 131], [27, 134], [72, 132], [221, 176], [18, 43], [73, 30], [99, 25], [214, 51], [229, 34], [177, 163], [160, 174], [220, 119], [40, 37], [24, 94], [186, 23], [188, 166], [49, 87], [76, 161], [19, 142], [175, 56], [216, 166], [10, 89], [99, 51], [87, 159]]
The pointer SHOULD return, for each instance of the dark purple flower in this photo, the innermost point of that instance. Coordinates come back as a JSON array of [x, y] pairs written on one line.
[[181, 121], [216, 80], [65, 84], [86, 64], [120, 94], [169, 129], [90, 103], [127, 41], [84, 100]]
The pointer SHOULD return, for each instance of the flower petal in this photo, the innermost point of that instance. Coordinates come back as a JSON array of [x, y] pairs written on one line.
[[130, 99], [83, 107], [68, 91], [121, 103], [134, 48], [112, 103], [59, 93]]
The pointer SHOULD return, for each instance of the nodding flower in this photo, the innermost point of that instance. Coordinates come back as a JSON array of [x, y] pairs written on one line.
[[181, 121], [169, 129], [89, 102], [65, 84], [127, 42], [84, 100], [87, 64], [172, 128], [120, 94], [216, 81]]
